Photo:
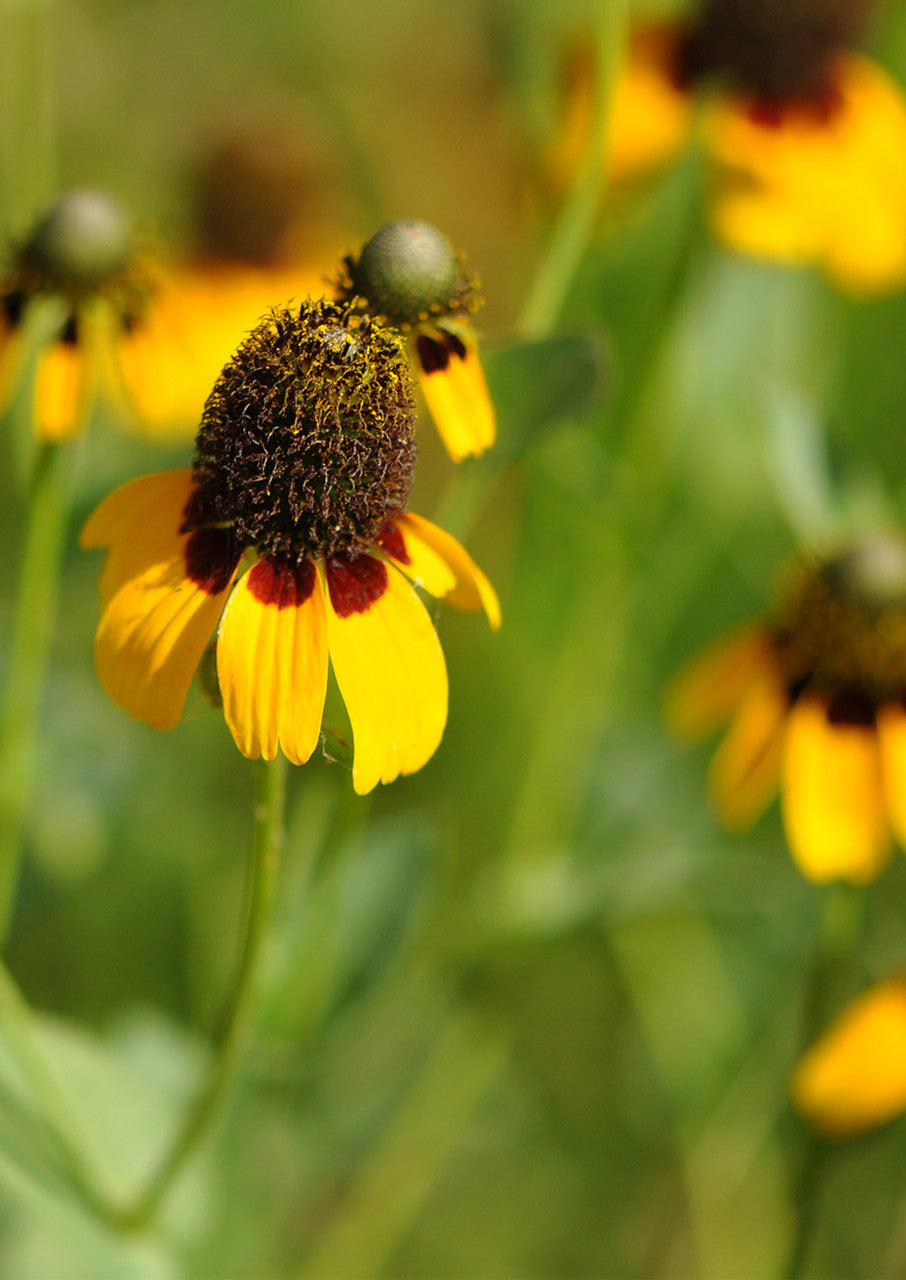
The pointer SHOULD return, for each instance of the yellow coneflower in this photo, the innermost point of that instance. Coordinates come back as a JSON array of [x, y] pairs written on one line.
[[805, 135], [816, 699], [409, 274], [290, 538]]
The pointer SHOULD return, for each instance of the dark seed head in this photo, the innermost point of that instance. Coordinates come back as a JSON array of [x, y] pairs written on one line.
[[778, 50], [840, 622], [305, 447]]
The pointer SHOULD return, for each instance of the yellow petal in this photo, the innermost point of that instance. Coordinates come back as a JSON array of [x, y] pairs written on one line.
[[416, 559], [746, 767], [389, 667], [818, 187], [272, 661], [651, 117], [710, 687], [198, 317], [153, 632], [471, 589], [892, 740], [833, 801], [854, 1077], [64, 385], [12, 357], [457, 394], [140, 523]]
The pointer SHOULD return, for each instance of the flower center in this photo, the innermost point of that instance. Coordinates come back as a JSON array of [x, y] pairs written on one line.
[[840, 624], [779, 50], [305, 446]]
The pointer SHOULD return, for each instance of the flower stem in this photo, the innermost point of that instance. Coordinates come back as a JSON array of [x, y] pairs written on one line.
[[237, 1018], [573, 228], [838, 937], [32, 631]]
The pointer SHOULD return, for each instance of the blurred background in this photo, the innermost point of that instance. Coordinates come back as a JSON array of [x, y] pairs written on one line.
[[529, 1012]]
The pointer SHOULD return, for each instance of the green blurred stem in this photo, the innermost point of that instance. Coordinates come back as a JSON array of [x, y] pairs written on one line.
[[28, 117], [32, 631], [396, 1177], [575, 224], [838, 938], [270, 804]]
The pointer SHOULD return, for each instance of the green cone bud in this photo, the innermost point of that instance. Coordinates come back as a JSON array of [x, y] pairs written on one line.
[[407, 271], [82, 242]]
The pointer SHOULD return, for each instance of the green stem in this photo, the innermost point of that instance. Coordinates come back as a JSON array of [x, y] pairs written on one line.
[[395, 1178], [28, 126], [573, 228], [32, 631], [237, 1019], [838, 937]]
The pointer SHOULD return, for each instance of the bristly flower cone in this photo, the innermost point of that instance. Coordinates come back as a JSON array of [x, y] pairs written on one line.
[[778, 50], [306, 442]]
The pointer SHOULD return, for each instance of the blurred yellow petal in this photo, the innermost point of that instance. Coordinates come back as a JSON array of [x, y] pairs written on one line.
[[389, 667], [854, 1077], [892, 741], [140, 523], [64, 385], [650, 119], [153, 632], [12, 356], [272, 661], [746, 767], [471, 591], [651, 116], [710, 687], [454, 385], [820, 186], [199, 316], [833, 800]]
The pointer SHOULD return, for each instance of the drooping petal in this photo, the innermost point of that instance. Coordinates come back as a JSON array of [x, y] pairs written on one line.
[[818, 186], [389, 667], [454, 385], [745, 770], [892, 740], [854, 1076], [154, 630], [416, 559], [64, 385], [272, 660], [471, 589], [712, 685], [833, 799], [140, 523]]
